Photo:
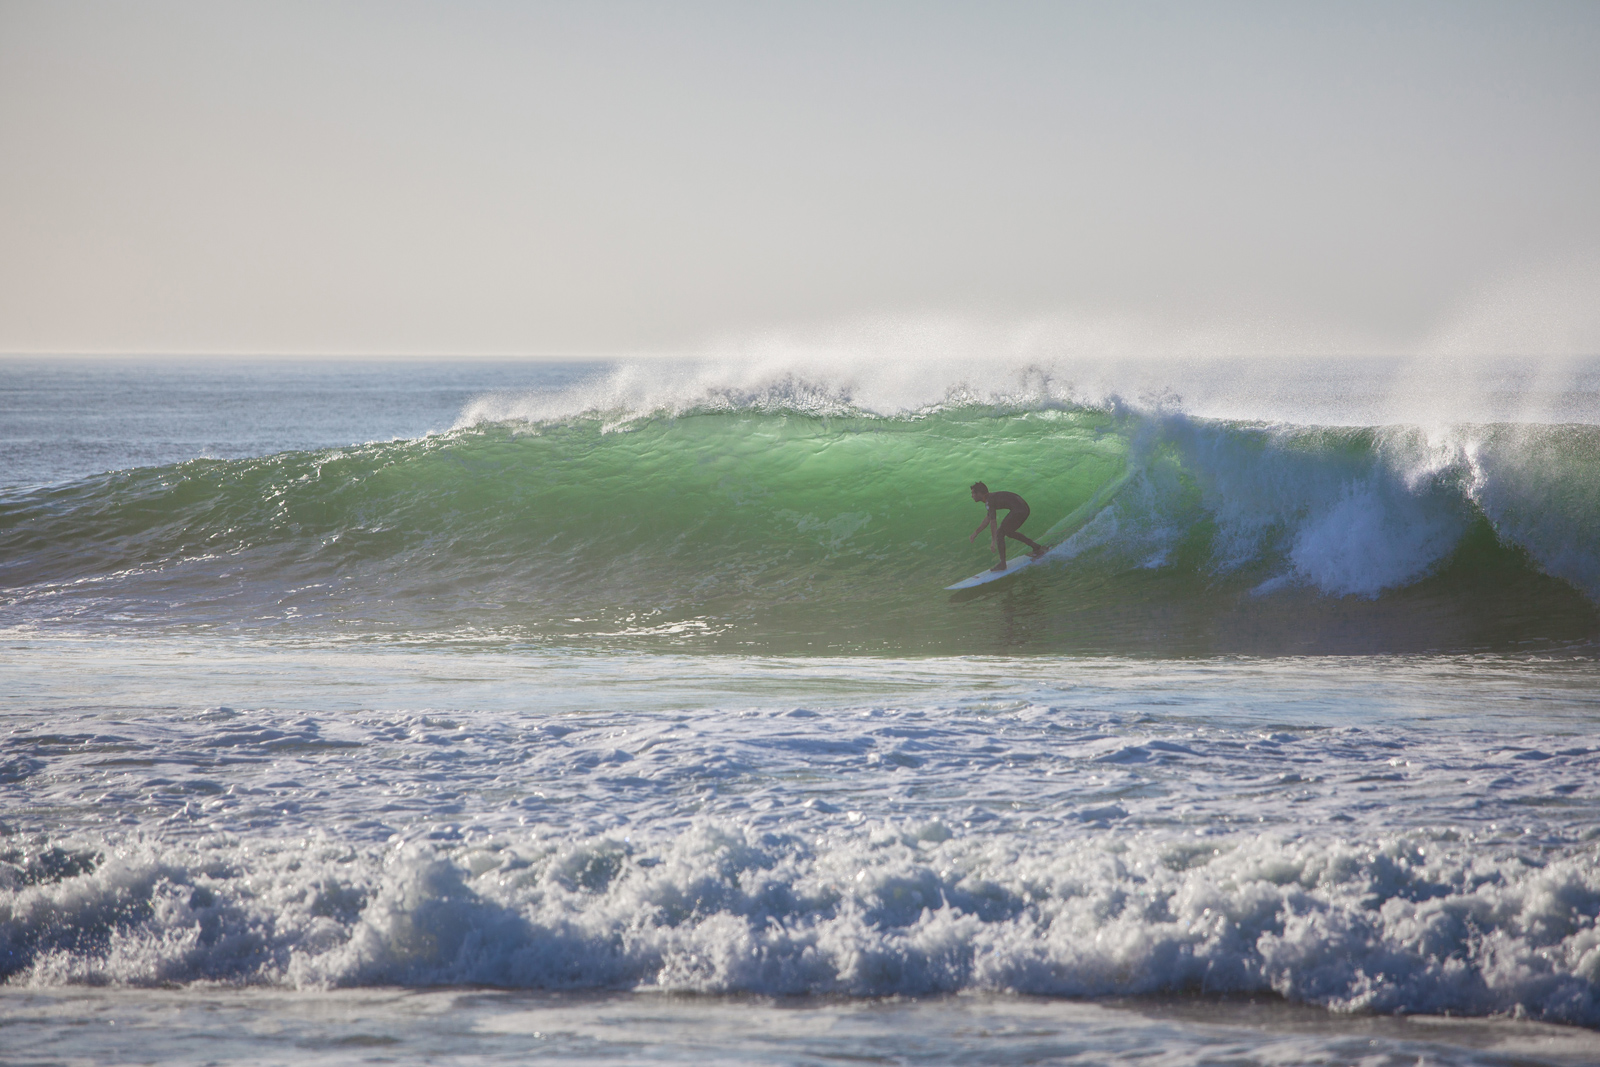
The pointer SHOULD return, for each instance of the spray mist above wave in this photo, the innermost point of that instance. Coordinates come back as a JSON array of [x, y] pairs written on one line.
[[907, 367]]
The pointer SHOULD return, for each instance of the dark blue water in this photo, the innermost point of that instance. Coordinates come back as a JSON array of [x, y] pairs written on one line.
[[69, 418]]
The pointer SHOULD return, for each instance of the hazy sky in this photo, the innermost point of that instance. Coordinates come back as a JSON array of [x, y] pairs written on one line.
[[594, 177]]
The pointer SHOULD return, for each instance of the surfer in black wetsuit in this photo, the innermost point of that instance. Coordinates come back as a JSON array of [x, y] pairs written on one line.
[[1016, 514]]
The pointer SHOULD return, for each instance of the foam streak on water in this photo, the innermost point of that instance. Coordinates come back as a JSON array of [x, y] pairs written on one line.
[[494, 1027]]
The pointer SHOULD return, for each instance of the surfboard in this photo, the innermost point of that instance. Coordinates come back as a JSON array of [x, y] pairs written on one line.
[[1013, 565]]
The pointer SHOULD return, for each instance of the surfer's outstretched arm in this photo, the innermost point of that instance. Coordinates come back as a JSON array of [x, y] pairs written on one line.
[[981, 525]]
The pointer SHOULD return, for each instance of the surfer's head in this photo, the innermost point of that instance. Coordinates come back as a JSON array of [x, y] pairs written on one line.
[[980, 492]]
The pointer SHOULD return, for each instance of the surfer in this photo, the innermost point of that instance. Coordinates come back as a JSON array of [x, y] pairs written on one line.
[[1016, 510]]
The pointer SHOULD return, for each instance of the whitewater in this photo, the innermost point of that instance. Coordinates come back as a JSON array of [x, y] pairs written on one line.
[[477, 712]]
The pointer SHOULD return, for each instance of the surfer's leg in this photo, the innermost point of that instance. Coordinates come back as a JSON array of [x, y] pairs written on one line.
[[1038, 549], [1009, 529]]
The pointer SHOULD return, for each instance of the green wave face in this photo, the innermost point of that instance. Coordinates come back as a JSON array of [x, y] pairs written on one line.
[[781, 533], [786, 530]]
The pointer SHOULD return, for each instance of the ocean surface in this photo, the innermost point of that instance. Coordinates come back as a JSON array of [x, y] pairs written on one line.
[[487, 712]]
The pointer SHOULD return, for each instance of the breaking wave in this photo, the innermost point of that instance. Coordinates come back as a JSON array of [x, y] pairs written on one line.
[[790, 520]]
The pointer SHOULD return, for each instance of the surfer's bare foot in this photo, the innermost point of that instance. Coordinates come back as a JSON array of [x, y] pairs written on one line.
[[1036, 555], [998, 567]]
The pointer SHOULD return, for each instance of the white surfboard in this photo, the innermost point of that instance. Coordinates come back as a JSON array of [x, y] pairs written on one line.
[[1013, 565]]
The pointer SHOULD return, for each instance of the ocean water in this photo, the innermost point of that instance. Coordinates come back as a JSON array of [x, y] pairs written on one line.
[[482, 712]]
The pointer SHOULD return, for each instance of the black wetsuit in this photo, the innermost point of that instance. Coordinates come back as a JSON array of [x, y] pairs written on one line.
[[1012, 503]]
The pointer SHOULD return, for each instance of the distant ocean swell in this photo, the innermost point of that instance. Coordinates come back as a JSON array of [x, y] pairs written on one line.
[[1405, 924], [780, 530]]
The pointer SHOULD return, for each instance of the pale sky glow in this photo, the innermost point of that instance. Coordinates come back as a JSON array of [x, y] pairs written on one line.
[[487, 178]]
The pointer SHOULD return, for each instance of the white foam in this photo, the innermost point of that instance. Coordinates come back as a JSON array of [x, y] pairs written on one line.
[[1410, 923], [1348, 514], [1408, 868]]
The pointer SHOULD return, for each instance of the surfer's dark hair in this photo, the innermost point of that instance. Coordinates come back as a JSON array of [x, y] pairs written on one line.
[[979, 487]]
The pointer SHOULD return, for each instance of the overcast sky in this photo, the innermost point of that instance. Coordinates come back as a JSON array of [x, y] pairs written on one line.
[[589, 177]]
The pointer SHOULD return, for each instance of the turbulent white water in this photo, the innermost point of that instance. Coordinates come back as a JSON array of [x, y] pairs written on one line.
[[1085, 829]]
